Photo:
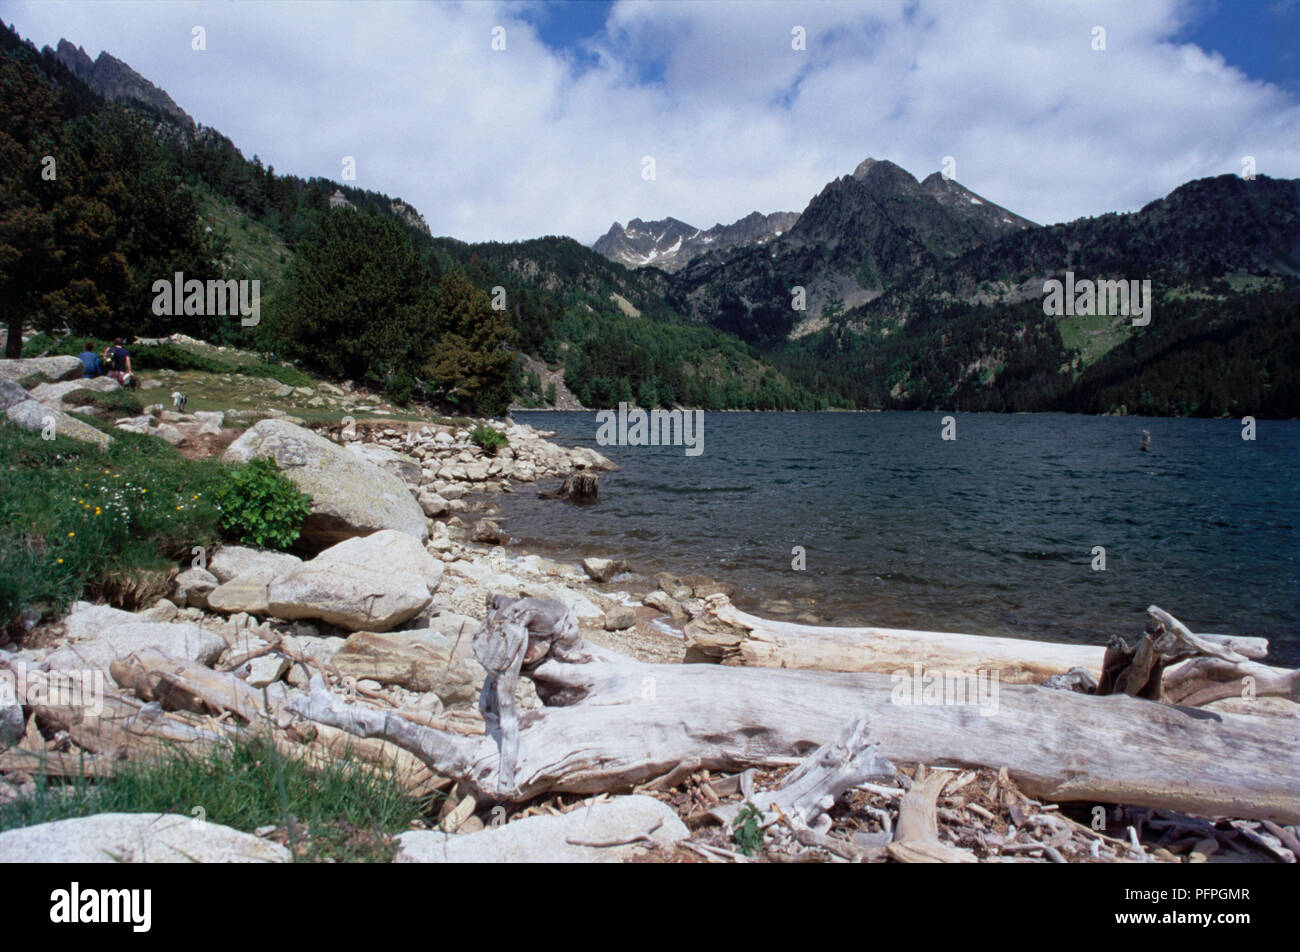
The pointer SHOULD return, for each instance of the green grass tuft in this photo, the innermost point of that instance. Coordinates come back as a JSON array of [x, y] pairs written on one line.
[[344, 811]]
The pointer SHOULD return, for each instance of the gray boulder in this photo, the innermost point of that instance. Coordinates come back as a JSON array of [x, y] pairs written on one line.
[[351, 496], [232, 561], [552, 839], [136, 838], [192, 588], [51, 368], [34, 415], [405, 468], [421, 660], [54, 394], [11, 393], [619, 617], [368, 584], [601, 570]]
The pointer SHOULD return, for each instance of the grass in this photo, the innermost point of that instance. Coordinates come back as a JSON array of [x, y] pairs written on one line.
[[343, 811], [171, 356], [1093, 335], [77, 522], [117, 403], [254, 251]]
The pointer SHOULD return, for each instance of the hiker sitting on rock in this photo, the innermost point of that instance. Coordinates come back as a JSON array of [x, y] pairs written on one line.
[[91, 364], [118, 359]]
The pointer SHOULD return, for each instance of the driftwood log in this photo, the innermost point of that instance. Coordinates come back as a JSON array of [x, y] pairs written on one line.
[[723, 633], [614, 722]]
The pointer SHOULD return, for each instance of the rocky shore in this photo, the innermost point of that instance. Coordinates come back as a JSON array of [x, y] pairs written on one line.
[[400, 557]]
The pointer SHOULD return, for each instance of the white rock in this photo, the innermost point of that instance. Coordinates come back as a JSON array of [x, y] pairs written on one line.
[[136, 838], [544, 839], [231, 561], [181, 640]]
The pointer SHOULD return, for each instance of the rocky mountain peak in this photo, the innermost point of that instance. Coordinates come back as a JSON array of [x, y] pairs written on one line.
[[115, 80], [882, 170], [671, 243]]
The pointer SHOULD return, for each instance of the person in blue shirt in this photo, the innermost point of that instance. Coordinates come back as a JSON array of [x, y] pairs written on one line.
[[91, 364]]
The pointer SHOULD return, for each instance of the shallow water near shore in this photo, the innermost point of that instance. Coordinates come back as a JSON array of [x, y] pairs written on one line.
[[991, 533]]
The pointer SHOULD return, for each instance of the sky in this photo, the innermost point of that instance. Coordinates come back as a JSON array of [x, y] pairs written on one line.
[[597, 112]]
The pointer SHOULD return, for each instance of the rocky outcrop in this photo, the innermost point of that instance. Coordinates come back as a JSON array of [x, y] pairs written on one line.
[[113, 638], [114, 80], [51, 369], [350, 495], [11, 393], [33, 415], [232, 561], [369, 584], [54, 394], [671, 244], [136, 838]]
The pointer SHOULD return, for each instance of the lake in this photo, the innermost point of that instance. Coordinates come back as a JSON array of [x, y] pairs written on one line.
[[990, 533]]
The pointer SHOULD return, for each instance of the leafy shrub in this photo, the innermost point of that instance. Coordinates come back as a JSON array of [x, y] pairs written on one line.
[[488, 439], [745, 831], [260, 506]]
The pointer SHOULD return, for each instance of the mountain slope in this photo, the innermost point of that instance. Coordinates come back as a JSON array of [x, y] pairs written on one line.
[[859, 235], [970, 333]]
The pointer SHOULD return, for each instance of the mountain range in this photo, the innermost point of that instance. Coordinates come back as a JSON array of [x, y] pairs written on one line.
[[670, 244], [885, 291]]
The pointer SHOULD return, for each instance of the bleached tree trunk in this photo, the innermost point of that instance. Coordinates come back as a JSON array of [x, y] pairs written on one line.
[[727, 635], [614, 722]]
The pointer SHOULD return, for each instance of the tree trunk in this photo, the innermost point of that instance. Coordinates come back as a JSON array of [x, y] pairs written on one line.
[[14, 338], [614, 722], [727, 635]]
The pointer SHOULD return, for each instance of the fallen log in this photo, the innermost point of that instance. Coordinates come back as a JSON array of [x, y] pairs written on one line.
[[726, 635], [613, 722], [189, 686]]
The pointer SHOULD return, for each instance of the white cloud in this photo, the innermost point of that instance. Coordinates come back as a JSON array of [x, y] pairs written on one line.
[[506, 145]]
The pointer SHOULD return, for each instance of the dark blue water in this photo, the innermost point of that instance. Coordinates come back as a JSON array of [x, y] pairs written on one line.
[[991, 533]]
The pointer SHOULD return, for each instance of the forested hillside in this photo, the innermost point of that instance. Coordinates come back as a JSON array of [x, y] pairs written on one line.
[[920, 294]]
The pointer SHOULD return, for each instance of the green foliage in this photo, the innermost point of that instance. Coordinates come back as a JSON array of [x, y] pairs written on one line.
[[1202, 355], [76, 522], [346, 810], [260, 506], [488, 439], [82, 248], [745, 831], [471, 362], [119, 403], [360, 302]]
